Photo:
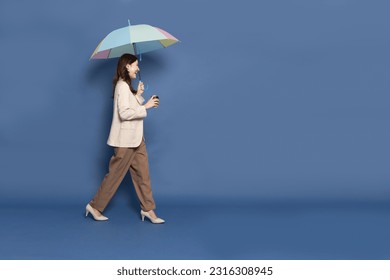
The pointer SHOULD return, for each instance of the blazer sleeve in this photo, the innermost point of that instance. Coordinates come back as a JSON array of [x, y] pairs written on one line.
[[128, 107], [140, 99]]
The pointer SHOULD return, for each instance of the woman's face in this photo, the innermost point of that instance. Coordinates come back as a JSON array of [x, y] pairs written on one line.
[[132, 69]]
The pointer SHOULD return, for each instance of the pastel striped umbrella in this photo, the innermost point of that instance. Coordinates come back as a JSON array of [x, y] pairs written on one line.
[[134, 39]]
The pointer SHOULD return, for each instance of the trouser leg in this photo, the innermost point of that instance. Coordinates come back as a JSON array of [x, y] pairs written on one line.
[[118, 167], [139, 170]]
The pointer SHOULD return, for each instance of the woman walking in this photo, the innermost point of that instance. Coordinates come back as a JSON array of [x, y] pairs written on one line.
[[126, 136]]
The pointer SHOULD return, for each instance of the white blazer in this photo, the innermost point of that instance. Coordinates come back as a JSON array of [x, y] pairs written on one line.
[[127, 126]]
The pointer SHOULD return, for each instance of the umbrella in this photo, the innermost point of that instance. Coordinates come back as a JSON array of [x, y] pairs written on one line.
[[134, 39]]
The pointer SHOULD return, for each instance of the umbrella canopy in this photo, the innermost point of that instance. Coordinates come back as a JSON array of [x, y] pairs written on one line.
[[134, 39]]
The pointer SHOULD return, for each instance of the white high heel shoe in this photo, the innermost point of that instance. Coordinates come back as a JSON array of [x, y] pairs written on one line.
[[89, 209], [154, 221]]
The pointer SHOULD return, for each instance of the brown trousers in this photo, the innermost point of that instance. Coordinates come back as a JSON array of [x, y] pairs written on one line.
[[134, 160]]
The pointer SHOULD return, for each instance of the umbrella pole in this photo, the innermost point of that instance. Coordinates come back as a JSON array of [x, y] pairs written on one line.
[[134, 48], [135, 53]]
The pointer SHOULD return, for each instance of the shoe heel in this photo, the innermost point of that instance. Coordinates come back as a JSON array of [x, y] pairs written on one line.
[[86, 213], [143, 217]]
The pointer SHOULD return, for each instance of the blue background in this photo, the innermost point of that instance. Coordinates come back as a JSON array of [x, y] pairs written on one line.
[[268, 108]]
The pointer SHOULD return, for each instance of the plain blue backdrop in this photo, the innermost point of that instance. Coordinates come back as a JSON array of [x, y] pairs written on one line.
[[261, 102]]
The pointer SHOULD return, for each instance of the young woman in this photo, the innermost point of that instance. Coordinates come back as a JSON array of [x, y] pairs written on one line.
[[126, 136]]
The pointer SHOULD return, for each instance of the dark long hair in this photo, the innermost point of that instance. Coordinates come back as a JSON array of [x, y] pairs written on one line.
[[122, 73]]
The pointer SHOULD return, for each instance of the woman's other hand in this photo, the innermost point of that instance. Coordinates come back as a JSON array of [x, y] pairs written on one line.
[[153, 102]]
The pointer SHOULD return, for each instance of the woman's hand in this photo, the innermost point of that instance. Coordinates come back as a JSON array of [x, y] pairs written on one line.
[[141, 88], [153, 102]]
